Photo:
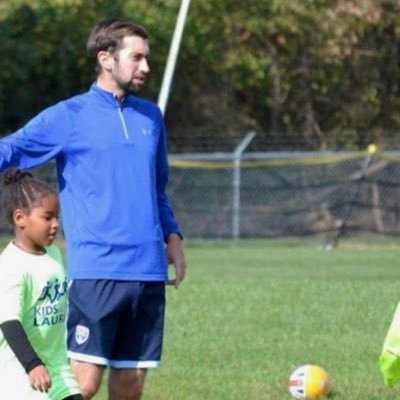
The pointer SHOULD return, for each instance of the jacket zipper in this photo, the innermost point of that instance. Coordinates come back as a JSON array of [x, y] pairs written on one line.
[[121, 117]]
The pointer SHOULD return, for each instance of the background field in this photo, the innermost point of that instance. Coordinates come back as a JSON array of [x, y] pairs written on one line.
[[251, 312]]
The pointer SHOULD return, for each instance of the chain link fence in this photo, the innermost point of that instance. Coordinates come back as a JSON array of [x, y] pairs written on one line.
[[286, 194], [281, 194]]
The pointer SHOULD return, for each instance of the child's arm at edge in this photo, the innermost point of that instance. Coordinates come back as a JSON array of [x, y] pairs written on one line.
[[18, 341]]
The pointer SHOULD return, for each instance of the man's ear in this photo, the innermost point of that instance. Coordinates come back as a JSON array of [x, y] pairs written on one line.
[[105, 59], [19, 218]]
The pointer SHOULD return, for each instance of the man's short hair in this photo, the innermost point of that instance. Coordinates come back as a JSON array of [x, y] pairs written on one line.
[[108, 36]]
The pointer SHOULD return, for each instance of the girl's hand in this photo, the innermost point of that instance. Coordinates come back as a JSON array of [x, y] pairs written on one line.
[[39, 378]]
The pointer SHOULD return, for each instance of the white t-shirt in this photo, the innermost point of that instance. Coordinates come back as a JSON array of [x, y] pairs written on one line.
[[33, 290]]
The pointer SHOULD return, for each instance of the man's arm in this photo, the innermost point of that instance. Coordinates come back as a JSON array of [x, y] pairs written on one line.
[[167, 219], [176, 256], [172, 235], [40, 140]]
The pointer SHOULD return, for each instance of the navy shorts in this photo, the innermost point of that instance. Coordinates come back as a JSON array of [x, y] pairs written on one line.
[[116, 323]]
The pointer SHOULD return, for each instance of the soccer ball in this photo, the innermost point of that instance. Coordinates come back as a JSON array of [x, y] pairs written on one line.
[[309, 382]]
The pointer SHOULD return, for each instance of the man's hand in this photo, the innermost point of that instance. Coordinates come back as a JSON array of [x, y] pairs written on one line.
[[176, 256], [39, 378]]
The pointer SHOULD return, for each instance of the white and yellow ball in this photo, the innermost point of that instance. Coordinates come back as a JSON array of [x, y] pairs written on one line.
[[309, 382]]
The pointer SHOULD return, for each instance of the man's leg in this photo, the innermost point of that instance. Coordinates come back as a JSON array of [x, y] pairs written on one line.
[[138, 344], [89, 377], [126, 384], [92, 325]]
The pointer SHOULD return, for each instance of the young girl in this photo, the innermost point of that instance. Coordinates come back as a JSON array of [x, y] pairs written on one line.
[[33, 296]]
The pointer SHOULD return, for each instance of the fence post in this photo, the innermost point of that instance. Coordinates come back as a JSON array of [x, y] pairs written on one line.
[[363, 173], [237, 156]]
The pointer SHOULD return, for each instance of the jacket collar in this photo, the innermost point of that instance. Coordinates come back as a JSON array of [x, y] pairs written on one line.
[[105, 95]]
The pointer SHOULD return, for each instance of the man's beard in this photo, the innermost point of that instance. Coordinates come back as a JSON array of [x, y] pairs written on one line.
[[129, 87]]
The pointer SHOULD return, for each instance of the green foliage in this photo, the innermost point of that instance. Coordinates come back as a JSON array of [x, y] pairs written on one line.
[[43, 57], [307, 71]]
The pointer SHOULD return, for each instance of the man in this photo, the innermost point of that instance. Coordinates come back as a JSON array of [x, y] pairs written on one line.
[[111, 158]]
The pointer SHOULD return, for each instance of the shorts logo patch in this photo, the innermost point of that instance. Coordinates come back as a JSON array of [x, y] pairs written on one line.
[[81, 334]]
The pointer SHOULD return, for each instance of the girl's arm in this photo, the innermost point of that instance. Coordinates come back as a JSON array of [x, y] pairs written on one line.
[[19, 343], [16, 338]]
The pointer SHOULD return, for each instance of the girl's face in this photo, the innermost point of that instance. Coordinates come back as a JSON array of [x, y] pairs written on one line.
[[38, 227]]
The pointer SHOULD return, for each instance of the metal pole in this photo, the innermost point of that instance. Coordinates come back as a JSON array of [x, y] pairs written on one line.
[[172, 55], [334, 242], [237, 156]]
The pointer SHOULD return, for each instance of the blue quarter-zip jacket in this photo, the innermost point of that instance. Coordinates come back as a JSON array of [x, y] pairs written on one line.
[[112, 173]]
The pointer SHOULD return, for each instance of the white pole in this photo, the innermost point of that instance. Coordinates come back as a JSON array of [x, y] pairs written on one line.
[[237, 155], [172, 55]]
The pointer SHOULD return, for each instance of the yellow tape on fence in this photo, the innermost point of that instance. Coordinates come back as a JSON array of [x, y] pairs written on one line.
[[388, 157], [229, 164]]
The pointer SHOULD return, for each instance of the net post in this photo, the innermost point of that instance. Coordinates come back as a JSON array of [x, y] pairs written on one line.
[[237, 157]]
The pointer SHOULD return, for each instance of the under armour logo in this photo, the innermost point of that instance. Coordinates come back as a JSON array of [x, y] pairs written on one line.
[[146, 132]]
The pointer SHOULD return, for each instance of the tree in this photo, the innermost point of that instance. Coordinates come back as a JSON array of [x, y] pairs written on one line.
[[314, 74]]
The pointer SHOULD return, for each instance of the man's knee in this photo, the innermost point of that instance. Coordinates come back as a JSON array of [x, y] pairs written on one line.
[[89, 377], [126, 384], [88, 389]]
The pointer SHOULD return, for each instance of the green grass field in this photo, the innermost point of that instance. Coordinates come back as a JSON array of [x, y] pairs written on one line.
[[251, 312]]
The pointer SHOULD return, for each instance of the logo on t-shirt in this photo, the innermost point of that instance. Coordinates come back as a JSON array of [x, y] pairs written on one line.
[[81, 334], [53, 291], [50, 308]]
